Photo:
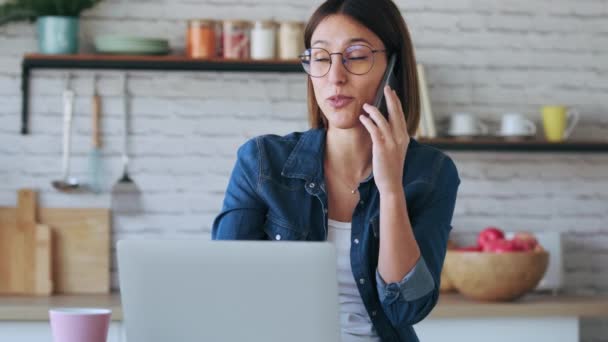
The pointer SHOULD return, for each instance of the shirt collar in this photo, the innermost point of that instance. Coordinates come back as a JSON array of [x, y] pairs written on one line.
[[306, 159]]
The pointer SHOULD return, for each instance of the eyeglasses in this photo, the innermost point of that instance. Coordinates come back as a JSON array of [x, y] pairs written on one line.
[[357, 59]]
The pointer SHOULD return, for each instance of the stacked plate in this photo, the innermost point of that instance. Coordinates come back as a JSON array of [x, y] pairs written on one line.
[[118, 44]]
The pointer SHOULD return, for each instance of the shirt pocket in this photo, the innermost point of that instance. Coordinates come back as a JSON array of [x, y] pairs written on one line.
[[279, 229]]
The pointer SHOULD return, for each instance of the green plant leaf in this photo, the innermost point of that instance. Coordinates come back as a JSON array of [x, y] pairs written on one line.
[[17, 15], [15, 10]]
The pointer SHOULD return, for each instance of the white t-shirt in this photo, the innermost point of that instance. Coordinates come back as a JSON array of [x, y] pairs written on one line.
[[355, 323]]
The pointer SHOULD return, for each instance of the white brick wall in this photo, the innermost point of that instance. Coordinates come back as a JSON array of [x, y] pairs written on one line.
[[487, 57]]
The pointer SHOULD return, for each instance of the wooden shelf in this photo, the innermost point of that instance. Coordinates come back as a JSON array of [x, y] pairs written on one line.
[[169, 63], [502, 145]]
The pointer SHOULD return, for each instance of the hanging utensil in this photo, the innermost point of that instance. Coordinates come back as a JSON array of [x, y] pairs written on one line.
[[95, 153], [67, 183], [126, 196]]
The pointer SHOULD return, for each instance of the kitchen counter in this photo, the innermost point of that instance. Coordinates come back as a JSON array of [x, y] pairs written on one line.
[[17, 308], [31, 308], [532, 305]]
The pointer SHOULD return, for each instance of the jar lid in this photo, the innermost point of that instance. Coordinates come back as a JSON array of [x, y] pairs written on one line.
[[265, 23], [201, 22], [237, 22]]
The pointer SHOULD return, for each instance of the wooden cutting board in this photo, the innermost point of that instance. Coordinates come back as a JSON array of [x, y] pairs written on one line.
[[15, 256], [43, 256], [25, 250], [80, 248]]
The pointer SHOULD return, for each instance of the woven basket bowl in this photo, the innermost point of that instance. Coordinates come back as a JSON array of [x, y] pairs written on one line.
[[446, 284], [495, 276]]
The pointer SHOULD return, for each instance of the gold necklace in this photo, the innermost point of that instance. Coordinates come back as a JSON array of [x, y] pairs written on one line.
[[352, 190]]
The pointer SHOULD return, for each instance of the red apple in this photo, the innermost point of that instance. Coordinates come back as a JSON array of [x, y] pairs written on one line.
[[525, 241], [489, 234], [524, 245], [500, 246]]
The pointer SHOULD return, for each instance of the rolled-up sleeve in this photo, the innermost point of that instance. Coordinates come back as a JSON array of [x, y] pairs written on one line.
[[417, 283]]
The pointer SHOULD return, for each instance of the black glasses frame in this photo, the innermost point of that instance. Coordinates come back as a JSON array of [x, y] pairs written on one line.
[[304, 55]]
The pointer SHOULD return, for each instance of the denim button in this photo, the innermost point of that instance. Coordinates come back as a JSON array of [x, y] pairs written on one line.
[[392, 289], [278, 237], [374, 313], [356, 241], [311, 185], [361, 202], [361, 281]]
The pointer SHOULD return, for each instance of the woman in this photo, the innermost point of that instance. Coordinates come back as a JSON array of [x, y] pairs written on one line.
[[355, 179]]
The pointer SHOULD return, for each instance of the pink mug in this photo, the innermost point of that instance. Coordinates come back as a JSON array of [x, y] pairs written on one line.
[[80, 324]]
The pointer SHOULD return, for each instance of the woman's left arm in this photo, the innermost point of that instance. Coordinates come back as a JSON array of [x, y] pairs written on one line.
[[411, 253]]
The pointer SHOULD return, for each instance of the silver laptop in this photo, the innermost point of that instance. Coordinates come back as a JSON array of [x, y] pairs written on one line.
[[228, 291]]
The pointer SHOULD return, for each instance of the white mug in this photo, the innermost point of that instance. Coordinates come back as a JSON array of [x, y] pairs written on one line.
[[466, 124], [515, 124]]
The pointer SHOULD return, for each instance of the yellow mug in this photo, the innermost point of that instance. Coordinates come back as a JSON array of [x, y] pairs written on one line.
[[558, 122]]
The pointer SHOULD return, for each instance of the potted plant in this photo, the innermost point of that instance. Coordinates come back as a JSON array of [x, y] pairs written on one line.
[[57, 21]]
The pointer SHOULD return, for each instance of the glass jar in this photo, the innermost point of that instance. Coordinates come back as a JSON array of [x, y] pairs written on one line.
[[291, 39], [235, 37], [201, 38], [263, 39]]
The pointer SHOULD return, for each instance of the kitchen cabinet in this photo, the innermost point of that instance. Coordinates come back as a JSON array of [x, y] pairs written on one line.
[[554, 329], [503, 329], [181, 63], [533, 318]]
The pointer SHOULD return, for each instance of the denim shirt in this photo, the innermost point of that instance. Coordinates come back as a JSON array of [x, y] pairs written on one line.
[[277, 192]]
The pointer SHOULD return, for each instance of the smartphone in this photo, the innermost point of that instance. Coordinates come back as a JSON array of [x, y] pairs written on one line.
[[390, 79]]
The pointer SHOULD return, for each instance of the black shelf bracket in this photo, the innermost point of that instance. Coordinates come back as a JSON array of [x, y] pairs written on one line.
[[25, 92]]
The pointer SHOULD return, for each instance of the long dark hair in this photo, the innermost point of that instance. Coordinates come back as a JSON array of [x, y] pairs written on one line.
[[384, 19]]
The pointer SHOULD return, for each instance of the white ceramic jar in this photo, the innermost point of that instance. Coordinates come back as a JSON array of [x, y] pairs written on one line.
[[291, 39], [263, 37]]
